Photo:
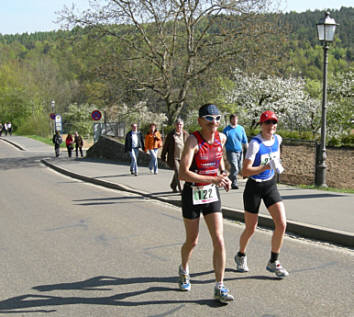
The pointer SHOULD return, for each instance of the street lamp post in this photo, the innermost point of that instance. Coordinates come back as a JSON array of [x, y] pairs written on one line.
[[325, 30], [53, 111]]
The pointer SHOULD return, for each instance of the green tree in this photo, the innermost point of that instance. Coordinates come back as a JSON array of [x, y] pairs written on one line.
[[177, 41], [78, 118]]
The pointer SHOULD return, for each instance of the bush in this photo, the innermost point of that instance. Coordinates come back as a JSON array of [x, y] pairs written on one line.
[[348, 140], [334, 142], [38, 124]]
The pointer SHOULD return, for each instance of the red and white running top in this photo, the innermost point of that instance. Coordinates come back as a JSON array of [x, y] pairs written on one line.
[[207, 160]]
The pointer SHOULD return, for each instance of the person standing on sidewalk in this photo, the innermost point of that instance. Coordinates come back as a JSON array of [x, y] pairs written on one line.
[[57, 140], [9, 128], [153, 142], [133, 142], [69, 144], [4, 128], [235, 144], [173, 148], [202, 168], [261, 161], [79, 143]]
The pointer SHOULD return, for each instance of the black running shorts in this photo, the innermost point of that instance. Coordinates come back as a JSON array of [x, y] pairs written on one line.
[[191, 211], [256, 191]]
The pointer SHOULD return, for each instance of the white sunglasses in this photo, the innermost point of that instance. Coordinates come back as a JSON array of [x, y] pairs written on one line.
[[211, 118]]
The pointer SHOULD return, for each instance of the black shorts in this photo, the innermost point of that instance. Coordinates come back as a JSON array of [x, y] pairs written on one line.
[[256, 191], [191, 211]]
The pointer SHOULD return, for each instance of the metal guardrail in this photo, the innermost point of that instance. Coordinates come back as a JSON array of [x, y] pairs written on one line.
[[115, 129]]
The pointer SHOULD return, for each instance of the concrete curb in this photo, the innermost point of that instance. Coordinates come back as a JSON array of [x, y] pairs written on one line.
[[13, 143], [313, 232], [340, 238]]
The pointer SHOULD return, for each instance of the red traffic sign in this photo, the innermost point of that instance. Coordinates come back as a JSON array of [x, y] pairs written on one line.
[[52, 115], [96, 115]]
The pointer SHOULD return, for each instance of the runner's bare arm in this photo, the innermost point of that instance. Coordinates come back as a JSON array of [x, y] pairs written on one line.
[[226, 181], [222, 162]]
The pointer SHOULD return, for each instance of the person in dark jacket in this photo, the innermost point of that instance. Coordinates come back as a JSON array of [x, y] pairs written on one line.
[[78, 144], [173, 148], [57, 140], [133, 142]]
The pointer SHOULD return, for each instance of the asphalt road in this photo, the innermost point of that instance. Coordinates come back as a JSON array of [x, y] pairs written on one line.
[[68, 248]]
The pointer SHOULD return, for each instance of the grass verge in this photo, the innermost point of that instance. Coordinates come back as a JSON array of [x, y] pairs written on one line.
[[46, 140], [328, 189]]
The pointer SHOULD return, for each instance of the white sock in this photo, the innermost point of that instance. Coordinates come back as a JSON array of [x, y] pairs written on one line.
[[184, 271], [219, 284]]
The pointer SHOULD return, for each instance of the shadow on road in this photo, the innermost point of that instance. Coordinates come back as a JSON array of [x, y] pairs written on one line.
[[20, 162], [29, 302], [310, 196]]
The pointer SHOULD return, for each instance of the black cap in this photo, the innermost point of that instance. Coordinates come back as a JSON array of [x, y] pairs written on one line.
[[208, 109]]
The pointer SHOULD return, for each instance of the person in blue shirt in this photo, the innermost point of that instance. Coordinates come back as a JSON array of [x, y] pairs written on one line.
[[235, 144]]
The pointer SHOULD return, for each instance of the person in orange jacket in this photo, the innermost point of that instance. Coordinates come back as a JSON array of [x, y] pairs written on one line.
[[153, 142]]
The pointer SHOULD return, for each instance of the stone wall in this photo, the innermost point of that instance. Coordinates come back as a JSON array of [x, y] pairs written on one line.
[[298, 161], [112, 149]]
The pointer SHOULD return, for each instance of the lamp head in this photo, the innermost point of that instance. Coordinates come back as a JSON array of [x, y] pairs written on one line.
[[326, 28]]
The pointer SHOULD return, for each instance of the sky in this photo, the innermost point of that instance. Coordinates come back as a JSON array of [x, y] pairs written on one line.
[[21, 16]]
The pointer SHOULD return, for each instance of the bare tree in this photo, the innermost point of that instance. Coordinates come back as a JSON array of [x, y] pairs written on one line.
[[177, 41]]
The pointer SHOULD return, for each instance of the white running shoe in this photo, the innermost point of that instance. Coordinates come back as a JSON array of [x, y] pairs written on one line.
[[275, 267], [184, 281], [223, 295], [241, 263]]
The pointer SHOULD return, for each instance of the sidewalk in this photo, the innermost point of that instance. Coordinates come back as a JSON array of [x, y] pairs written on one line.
[[314, 214]]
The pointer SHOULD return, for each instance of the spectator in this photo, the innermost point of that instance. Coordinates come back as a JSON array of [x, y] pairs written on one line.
[[4, 129], [235, 143], [57, 140], [173, 148], [69, 144], [133, 142], [9, 128], [78, 144], [153, 142]]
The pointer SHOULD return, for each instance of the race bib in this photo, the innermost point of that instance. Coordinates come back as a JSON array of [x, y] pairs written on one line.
[[204, 194], [266, 158]]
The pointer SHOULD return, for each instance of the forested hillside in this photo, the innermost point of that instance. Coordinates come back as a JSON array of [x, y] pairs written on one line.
[[83, 68], [305, 53]]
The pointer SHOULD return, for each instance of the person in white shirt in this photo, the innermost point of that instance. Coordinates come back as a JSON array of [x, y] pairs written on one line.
[[133, 142], [9, 128]]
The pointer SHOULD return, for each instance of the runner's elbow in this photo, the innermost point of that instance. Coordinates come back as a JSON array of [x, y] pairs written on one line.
[[181, 176], [245, 173]]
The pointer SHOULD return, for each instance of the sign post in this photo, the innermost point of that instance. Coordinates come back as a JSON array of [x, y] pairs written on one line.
[[58, 123]]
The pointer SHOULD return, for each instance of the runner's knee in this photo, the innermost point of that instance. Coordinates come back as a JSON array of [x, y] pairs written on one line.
[[218, 242], [280, 225], [191, 243], [251, 228]]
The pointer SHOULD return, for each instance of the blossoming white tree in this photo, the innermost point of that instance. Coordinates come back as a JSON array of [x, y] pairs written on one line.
[[137, 113], [253, 94], [340, 110]]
